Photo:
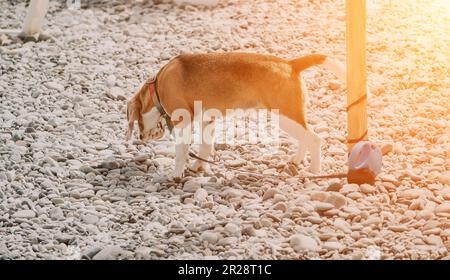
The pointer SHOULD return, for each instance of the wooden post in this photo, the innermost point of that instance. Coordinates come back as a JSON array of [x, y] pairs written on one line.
[[356, 72], [34, 18]]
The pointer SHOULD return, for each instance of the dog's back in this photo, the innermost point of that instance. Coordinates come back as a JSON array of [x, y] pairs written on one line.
[[227, 80]]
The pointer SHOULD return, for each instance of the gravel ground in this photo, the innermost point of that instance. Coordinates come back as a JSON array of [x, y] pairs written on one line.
[[71, 187]]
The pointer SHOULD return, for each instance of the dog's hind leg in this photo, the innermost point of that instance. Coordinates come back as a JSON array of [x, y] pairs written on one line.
[[307, 140]]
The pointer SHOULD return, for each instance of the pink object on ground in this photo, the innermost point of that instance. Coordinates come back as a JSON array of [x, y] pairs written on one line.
[[364, 163]]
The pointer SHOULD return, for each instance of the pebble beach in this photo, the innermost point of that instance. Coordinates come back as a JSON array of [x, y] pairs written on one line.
[[72, 187]]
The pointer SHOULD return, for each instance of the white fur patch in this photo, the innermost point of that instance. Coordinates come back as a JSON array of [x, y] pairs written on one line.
[[150, 119]]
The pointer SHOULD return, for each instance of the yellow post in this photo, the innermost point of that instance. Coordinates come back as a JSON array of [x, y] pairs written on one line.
[[356, 72]]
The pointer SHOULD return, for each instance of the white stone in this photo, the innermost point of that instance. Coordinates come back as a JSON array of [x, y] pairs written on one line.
[[191, 186], [322, 206], [443, 208], [24, 214], [210, 237], [232, 229], [55, 86], [200, 195], [332, 245], [110, 81], [300, 242], [349, 188]]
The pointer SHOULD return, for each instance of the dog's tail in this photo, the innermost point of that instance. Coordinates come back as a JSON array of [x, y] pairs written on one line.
[[331, 64]]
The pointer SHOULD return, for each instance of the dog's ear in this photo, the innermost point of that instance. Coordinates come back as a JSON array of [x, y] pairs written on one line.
[[131, 117]]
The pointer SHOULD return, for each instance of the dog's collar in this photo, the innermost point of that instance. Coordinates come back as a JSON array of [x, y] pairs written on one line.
[[152, 89]]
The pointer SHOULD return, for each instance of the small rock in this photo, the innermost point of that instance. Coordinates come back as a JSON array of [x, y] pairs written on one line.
[[100, 146], [200, 195], [315, 220], [355, 195], [90, 252], [55, 86], [322, 206], [210, 237], [425, 214], [367, 189], [337, 151], [57, 200], [248, 230], [142, 253], [412, 193], [110, 253], [443, 208], [116, 93], [372, 221], [444, 178], [208, 204], [29, 130], [56, 214], [87, 194], [349, 188], [111, 81], [388, 178], [64, 238], [141, 158], [332, 245], [269, 194], [110, 164], [24, 214], [337, 200], [281, 206], [398, 228], [433, 240], [319, 196], [87, 169], [334, 85], [387, 148], [300, 242], [334, 187], [232, 229], [291, 169], [151, 188], [417, 204], [89, 219], [191, 186], [227, 241], [342, 225], [176, 228], [145, 235], [279, 197]]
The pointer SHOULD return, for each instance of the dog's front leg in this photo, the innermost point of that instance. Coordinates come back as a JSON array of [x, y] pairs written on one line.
[[181, 157], [206, 147], [204, 153]]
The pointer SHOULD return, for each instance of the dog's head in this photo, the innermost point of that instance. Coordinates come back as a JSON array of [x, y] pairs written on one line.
[[142, 109]]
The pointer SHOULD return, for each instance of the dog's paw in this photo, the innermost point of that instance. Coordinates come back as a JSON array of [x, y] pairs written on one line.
[[296, 159], [197, 166], [315, 169], [176, 175]]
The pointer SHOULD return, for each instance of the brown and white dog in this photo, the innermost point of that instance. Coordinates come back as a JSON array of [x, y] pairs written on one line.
[[231, 80]]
